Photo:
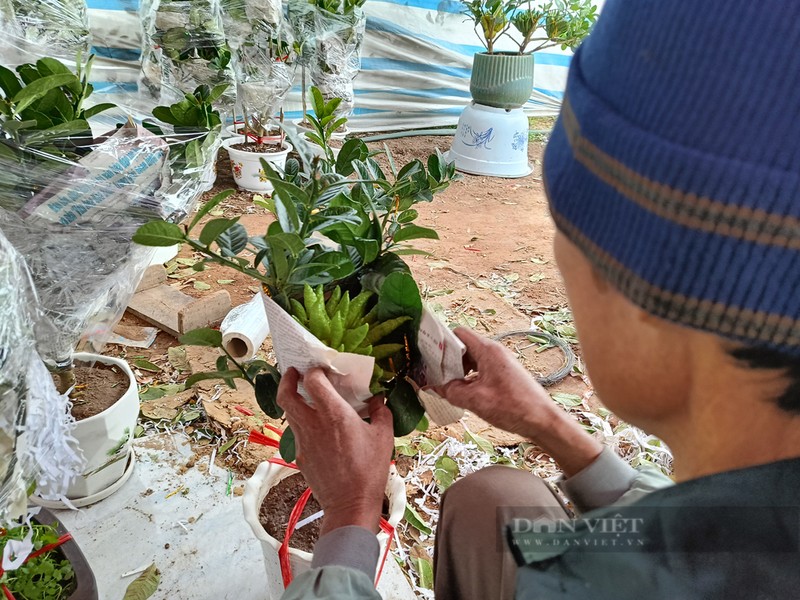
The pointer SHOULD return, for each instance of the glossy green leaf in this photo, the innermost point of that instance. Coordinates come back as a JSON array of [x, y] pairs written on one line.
[[406, 409], [214, 228], [202, 337], [158, 233]]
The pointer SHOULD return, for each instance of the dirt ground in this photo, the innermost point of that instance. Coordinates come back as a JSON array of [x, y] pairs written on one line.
[[492, 269]]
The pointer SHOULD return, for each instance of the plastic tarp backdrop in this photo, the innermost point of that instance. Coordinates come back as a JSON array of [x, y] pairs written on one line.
[[415, 63]]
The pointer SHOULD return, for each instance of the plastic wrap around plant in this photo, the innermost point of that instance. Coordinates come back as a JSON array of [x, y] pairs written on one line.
[[35, 440], [335, 54], [77, 178], [183, 47], [59, 26]]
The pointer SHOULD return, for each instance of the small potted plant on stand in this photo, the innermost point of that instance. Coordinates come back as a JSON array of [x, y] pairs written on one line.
[[492, 135], [336, 292]]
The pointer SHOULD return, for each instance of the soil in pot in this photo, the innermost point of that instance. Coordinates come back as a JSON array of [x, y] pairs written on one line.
[[278, 505], [97, 388], [258, 148]]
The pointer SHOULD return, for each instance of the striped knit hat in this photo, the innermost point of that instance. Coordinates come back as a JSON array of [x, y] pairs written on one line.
[[675, 163]]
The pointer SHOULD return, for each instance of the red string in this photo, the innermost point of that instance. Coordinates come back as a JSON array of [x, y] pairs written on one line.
[[245, 411], [256, 437], [389, 530], [64, 538], [283, 552], [273, 429]]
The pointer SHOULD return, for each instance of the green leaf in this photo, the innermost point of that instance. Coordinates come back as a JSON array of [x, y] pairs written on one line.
[[37, 89], [406, 409], [216, 93], [209, 206], [233, 240], [414, 232], [60, 131], [226, 376], [9, 82], [351, 150], [288, 447], [97, 109], [202, 337], [214, 228], [445, 472], [567, 400], [158, 233], [407, 216], [146, 365], [266, 390], [424, 568], [415, 521], [145, 585], [398, 296], [483, 444]]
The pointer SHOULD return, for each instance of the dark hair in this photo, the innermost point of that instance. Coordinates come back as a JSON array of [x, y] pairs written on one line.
[[759, 357]]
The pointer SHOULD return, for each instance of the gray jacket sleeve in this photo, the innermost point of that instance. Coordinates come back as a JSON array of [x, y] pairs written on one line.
[[610, 480], [343, 566]]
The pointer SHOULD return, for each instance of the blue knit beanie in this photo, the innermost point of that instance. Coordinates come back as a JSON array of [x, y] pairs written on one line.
[[675, 162]]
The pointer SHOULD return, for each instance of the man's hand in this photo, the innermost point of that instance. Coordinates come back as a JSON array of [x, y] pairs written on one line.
[[344, 459], [503, 393]]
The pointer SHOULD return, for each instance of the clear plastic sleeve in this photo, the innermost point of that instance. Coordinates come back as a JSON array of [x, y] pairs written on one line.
[[35, 440], [61, 26], [331, 49], [184, 46], [78, 177]]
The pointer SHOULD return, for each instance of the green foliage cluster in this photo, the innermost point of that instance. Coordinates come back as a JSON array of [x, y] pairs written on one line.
[[341, 227], [46, 577], [192, 119], [563, 22]]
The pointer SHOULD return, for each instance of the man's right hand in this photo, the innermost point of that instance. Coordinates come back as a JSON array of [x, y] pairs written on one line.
[[503, 393]]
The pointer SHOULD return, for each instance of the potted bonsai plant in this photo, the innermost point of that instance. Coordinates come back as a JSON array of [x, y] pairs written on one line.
[[504, 79], [65, 205], [336, 290]]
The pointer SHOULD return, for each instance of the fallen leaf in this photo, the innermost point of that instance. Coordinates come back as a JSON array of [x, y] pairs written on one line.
[[177, 358], [145, 585], [537, 277], [201, 285], [224, 281], [146, 365]]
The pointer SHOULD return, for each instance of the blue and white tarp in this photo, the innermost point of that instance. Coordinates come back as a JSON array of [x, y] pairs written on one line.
[[415, 65]]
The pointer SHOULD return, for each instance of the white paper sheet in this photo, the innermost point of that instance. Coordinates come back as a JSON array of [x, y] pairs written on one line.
[[350, 374]]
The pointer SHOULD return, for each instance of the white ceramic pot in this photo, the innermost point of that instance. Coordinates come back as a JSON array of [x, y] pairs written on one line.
[[246, 166], [491, 141], [256, 489], [105, 441]]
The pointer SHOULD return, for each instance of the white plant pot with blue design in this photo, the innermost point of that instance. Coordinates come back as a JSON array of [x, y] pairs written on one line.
[[491, 141]]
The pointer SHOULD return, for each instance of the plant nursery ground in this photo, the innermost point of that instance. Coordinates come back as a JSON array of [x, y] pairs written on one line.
[[492, 270]]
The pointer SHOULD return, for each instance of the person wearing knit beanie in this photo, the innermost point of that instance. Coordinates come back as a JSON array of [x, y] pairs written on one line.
[[673, 177]]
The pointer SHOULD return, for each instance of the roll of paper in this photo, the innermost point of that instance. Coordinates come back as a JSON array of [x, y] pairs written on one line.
[[245, 329]]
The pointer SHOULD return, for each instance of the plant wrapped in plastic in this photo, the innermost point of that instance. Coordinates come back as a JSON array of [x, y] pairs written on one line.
[[330, 262], [193, 142], [57, 27], [69, 201], [35, 440], [330, 34], [184, 47], [265, 70]]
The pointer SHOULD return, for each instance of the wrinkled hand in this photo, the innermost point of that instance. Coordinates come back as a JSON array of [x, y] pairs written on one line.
[[344, 459], [504, 394], [499, 390]]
